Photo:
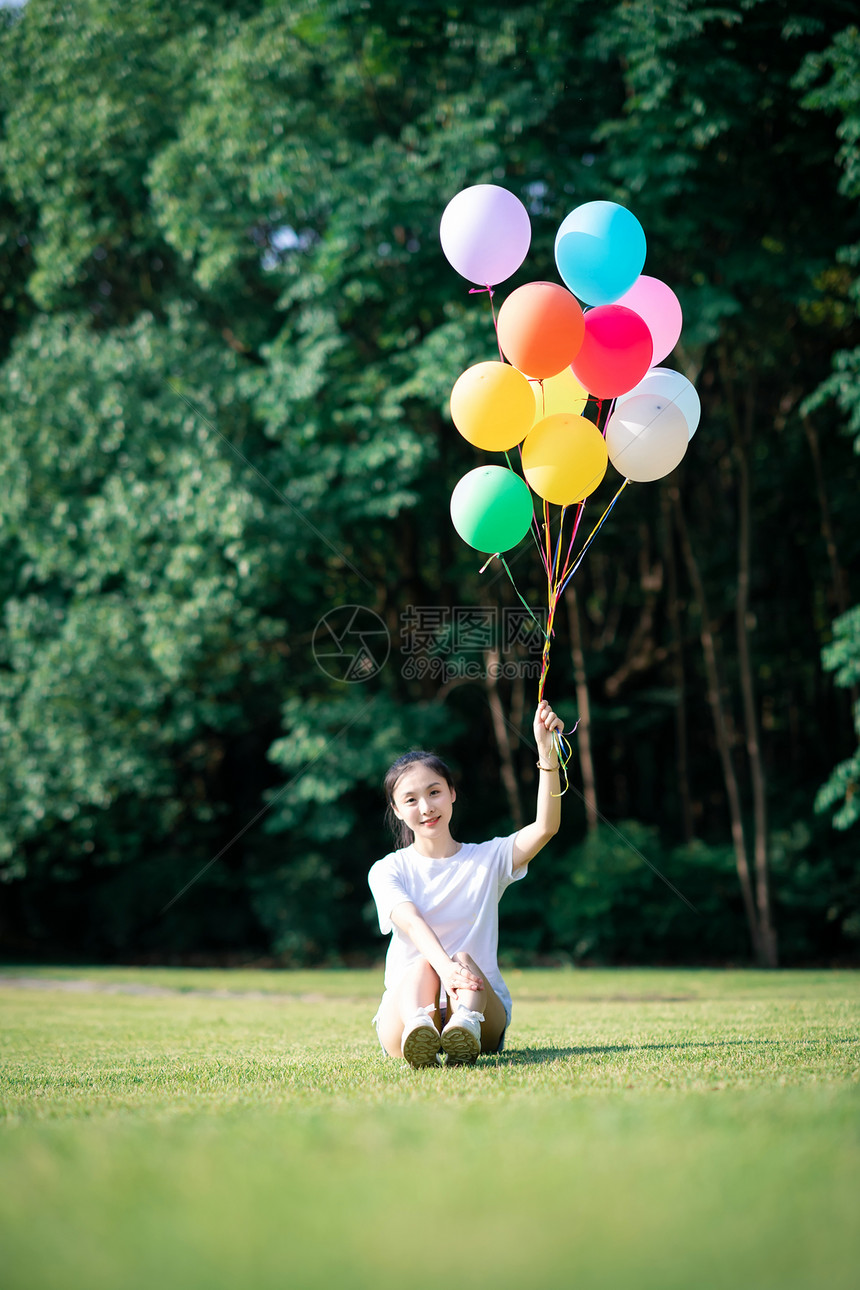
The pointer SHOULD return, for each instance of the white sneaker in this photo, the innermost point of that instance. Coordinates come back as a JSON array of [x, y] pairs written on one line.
[[461, 1037], [420, 1042]]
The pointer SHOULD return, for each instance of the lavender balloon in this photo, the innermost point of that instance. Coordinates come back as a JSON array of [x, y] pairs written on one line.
[[485, 233]]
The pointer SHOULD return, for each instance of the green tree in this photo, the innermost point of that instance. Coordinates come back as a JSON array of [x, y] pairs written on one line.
[[840, 94]]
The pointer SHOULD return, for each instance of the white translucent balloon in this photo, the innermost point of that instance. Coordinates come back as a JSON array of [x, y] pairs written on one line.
[[663, 382], [646, 438]]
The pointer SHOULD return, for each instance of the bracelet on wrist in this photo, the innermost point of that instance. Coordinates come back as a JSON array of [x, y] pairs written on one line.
[[540, 767]]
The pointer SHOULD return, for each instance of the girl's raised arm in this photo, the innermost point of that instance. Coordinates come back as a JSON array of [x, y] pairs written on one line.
[[533, 837]]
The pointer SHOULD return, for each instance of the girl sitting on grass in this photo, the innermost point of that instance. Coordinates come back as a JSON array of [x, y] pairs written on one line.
[[439, 899]]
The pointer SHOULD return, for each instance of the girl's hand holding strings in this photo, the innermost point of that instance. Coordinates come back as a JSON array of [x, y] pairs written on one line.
[[544, 724]]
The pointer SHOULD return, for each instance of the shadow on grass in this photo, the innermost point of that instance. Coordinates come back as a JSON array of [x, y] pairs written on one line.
[[534, 1056]]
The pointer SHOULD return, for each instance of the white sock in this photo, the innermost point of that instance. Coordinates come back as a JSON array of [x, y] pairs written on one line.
[[463, 1011]]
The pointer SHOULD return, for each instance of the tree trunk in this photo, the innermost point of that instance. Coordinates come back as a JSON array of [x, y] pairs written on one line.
[[743, 433], [583, 729], [715, 701], [681, 743], [837, 573], [642, 652], [518, 703], [503, 739], [767, 931]]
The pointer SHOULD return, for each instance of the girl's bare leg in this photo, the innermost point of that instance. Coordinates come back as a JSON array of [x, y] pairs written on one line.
[[418, 989], [485, 1001]]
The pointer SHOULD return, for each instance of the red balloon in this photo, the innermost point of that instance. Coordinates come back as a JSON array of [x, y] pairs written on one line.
[[616, 351], [540, 328]]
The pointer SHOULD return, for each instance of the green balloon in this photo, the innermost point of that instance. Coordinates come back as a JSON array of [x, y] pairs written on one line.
[[491, 508]]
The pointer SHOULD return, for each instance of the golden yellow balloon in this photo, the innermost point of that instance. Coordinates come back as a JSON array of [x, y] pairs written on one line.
[[564, 458], [561, 393], [492, 406]]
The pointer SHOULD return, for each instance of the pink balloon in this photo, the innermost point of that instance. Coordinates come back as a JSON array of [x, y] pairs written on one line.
[[485, 233], [652, 300], [616, 352]]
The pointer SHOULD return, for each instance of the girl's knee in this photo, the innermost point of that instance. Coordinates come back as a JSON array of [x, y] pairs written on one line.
[[420, 979]]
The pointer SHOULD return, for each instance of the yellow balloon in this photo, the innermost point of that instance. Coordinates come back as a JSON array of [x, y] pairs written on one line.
[[561, 393], [492, 406], [564, 458]]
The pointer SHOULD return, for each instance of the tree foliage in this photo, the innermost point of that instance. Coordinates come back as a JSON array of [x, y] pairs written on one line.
[[840, 93]]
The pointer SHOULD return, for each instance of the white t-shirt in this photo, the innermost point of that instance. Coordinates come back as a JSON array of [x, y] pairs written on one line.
[[457, 896]]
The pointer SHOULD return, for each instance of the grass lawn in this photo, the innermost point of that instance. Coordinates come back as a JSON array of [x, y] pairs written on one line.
[[178, 1128]]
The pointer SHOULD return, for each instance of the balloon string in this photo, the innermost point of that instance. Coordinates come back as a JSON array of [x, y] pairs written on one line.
[[476, 291], [558, 542], [538, 535], [535, 532], [546, 632], [551, 594], [517, 590], [555, 586], [572, 539], [564, 752], [548, 546], [495, 324], [544, 669], [498, 556], [555, 563], [558, 582], [593, 534], [609, 411], [533, 527]]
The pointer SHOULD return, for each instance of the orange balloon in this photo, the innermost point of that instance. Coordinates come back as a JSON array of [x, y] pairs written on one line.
[[561, 393], [564, 458], [492, 406], [541, 328]]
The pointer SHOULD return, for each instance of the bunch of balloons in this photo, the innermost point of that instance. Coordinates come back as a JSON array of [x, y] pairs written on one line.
[[597, 338]]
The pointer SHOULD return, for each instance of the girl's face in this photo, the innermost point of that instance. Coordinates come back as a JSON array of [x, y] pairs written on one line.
[[424, 801]]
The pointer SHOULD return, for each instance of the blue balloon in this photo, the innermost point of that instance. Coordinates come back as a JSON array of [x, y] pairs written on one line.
[[600, 250]]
